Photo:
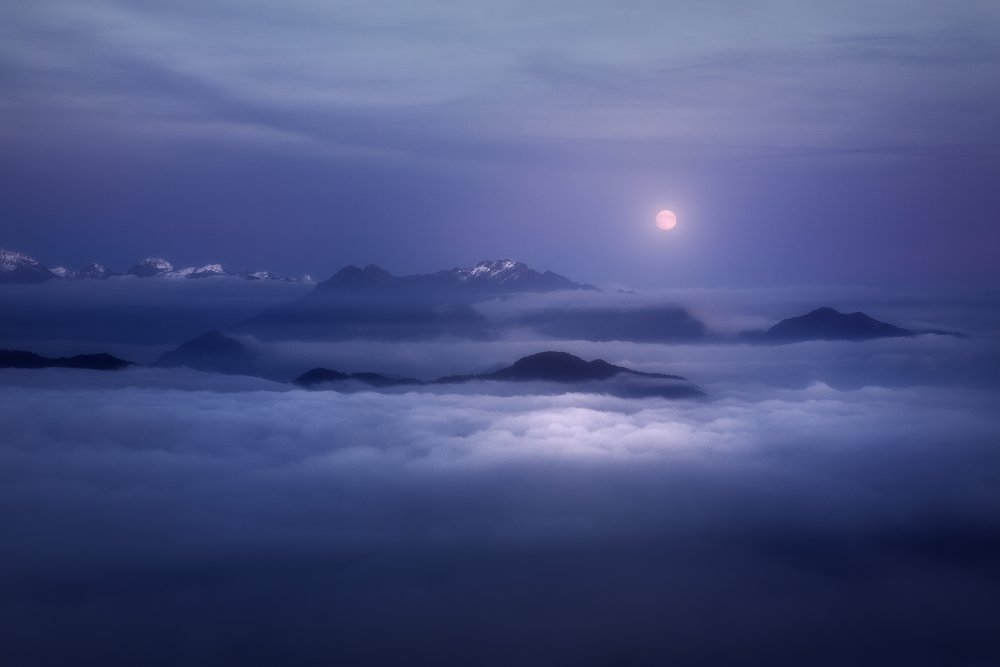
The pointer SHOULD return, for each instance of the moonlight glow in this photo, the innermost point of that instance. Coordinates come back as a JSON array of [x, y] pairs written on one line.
[[666, 220]]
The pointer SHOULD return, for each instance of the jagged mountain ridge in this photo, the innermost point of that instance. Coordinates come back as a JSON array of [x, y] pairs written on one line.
[[16, 267], [502, 275], [99, 362], [372, 303]]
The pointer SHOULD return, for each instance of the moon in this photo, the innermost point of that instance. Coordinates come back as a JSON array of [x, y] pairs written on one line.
[[666, 220]]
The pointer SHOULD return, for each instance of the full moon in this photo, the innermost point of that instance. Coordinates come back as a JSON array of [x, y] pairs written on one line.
[[666, 220]]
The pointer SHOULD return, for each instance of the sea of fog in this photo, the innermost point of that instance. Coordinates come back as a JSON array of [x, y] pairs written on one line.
[[828, 503]]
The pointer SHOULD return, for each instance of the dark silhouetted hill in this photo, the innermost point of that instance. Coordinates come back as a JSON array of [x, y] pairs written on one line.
[[826, 324], [319, 376], [565, 367], [212, 351], [572, 373], [97, 362], [544, 373]]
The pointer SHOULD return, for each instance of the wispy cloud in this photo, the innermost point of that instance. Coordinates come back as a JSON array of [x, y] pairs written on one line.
[[391, 78]]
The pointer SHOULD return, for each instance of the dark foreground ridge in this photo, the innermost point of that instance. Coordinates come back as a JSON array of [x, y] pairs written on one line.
[[565, 367], [828, 324], [96, 362], [565, 370]]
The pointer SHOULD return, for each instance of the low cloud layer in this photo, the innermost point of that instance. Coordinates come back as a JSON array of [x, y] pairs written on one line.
[[149, 523], [127, 314]]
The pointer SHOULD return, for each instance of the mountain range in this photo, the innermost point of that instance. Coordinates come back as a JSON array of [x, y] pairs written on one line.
[[372, 303], [16, 267], [97, 362], [502, 276]]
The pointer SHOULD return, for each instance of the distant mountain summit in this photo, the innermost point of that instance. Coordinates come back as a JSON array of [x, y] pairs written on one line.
[[209, 271], [498, 276], [213, 352], [16, 267], [825, 324], [508, 275], [828, 324], [151, 266]]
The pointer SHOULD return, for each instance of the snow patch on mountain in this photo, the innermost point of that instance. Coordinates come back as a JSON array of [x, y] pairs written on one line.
[[11, 261], [208, 271], [62, 272], [16, 267], [93, 272], [151, 266], [500, 270]]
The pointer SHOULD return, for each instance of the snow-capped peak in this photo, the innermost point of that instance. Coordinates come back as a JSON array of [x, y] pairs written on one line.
[[11, 261], [495, 268], [151, 266], [16, 267], [208, 270], [158, 263], [499, 270]]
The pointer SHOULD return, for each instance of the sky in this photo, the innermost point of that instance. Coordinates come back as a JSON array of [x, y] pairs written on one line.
[[849, 143]]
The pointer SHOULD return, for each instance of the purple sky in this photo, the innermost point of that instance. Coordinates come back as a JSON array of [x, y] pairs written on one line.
[[799, 142]]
